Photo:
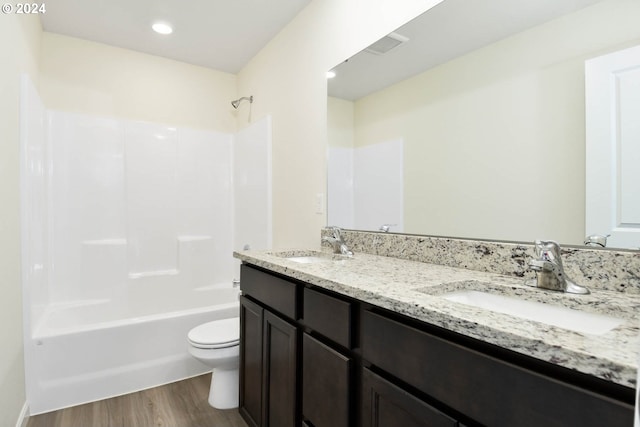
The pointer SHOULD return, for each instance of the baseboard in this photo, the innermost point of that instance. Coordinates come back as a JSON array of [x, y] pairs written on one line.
[[23, 418]]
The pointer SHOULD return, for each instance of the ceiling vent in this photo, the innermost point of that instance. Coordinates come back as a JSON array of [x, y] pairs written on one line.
[[387, 43]]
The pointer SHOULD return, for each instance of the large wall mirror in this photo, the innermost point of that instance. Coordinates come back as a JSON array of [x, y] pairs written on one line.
[[469, 121]]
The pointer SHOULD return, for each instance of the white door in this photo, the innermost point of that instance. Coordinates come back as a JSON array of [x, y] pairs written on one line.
[[612, 84]]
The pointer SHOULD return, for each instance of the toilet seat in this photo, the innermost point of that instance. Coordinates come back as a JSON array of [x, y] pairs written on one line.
[[222, 333]]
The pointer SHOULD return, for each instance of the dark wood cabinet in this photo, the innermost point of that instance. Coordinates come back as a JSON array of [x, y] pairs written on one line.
[[326, 385], [387, 405], [279, 353], [250, 401], [273, 291], [489, 391], [314, 358], [268, 367], [283, 382], [328, 316]]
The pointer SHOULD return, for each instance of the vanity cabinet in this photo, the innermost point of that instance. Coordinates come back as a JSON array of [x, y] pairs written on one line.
[[311, 357], [268, 350], [293, 366], [485, 389]]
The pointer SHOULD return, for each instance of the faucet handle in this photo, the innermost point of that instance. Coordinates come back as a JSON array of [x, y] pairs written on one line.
[[335, 232], [548, 250]]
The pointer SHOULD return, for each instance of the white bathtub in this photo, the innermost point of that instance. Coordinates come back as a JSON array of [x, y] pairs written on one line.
[[91, 350]]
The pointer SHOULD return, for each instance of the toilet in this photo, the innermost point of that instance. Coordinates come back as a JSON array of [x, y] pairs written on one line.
[[216, 344]]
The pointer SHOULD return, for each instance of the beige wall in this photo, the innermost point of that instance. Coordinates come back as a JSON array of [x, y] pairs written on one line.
[[93, 78], [340, 123], [288, 81], [19, 48], [494, 140]]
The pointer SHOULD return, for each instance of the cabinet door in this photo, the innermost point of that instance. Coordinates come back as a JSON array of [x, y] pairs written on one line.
[[484, 388], [325, 384], [251, 315], [386, 405], [279, 357]]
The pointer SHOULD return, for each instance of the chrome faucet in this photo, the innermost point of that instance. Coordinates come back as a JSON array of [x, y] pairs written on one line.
[[550, 271], [596, 240], [337, 242], [386, 227]]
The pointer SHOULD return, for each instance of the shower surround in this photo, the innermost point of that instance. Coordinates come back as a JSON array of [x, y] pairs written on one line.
[[128, 234]]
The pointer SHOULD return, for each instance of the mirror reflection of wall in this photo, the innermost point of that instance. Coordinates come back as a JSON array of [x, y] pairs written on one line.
[[493, 139], [365, 182]]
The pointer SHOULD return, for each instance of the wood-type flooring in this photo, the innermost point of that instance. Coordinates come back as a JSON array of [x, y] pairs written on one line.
[[180, 404]]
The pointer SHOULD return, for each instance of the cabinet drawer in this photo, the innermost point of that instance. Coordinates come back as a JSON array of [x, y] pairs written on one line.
[[277, 293], [488, 390], [328, 316], [386, 405]]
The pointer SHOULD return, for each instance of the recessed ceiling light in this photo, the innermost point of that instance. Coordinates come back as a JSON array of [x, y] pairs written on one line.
[[331, 74], [162, 28]]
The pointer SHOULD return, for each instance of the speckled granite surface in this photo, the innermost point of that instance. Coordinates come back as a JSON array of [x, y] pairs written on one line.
[[413, 288], [593, 268]]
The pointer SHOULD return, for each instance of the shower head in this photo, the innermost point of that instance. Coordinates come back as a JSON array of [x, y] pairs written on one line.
[[237, 102]]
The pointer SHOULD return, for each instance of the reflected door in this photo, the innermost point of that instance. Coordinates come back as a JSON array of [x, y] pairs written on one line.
[[612, 84]]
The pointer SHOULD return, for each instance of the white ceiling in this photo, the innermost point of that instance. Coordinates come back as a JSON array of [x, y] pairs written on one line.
[[450, 29], [219, 34]]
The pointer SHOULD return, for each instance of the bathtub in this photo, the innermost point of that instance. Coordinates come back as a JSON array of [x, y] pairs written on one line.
[[90, 350]]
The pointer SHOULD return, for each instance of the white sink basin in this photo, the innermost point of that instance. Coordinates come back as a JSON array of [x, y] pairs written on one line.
[[308, 259], [563, 317]]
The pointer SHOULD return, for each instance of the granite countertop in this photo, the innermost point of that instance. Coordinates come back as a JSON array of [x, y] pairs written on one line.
[[411, 288]]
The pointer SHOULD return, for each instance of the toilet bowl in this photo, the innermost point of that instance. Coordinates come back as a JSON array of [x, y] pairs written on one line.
[[216, 344]]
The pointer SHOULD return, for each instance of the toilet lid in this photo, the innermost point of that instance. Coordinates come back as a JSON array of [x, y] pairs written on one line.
[[217, 334]]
